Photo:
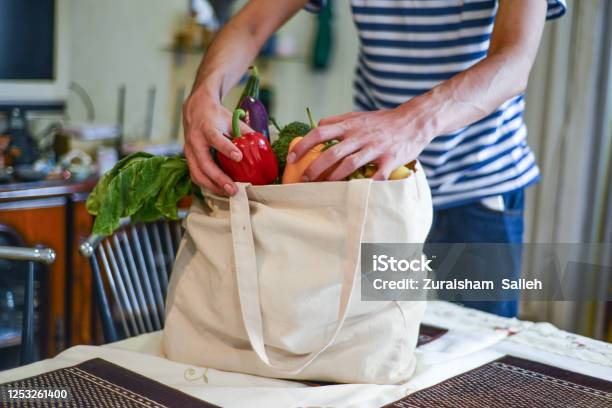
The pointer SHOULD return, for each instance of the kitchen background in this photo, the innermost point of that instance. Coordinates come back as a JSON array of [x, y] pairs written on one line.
[[149, 50], [132, 43]]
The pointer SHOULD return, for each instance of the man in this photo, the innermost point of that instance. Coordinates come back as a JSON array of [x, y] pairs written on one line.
[[438, 80]]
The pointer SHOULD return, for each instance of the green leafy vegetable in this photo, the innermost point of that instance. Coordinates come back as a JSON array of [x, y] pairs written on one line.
[[141, 186], [286, 135], [95, 198]]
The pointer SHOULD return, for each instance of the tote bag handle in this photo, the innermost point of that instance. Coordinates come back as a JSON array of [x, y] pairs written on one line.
[[358, 192]]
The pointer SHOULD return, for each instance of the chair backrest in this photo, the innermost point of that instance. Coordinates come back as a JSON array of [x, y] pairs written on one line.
[[133, 266], [31, 256]]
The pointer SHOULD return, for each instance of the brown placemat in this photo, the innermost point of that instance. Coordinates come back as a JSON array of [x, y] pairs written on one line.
[[513, 382], [99, 383], [428, 333]]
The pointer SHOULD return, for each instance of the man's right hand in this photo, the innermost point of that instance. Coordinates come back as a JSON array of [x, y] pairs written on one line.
[[205, 120], [207, 125]]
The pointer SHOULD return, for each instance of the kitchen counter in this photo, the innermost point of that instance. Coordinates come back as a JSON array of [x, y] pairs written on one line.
[[44, 188]]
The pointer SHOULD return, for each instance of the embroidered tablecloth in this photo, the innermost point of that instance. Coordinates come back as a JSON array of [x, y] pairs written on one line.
[[473, 340]]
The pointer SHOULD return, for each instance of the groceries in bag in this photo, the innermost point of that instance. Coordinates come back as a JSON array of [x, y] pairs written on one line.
[[258, 165], [256, 115], [267, 282], [146, 187]]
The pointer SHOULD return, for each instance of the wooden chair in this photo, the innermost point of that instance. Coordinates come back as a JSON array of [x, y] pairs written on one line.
[[133, 266], [31, 256]]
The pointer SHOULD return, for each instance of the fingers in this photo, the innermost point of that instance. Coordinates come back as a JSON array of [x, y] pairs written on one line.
[[223, 145], [197, 175], [384, 168], [221, 179], [352, 162], [204, 121], [329, 158], [314, 137], [209, 168]]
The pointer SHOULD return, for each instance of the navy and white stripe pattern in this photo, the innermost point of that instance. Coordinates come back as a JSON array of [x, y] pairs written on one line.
[[410, 46]]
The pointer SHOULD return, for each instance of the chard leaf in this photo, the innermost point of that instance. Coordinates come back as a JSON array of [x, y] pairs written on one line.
[[146, 213], [95, 197], [141, 186], [178, 185]]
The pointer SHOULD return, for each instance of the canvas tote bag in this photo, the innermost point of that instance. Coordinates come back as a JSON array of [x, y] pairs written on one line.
[[267, 282]]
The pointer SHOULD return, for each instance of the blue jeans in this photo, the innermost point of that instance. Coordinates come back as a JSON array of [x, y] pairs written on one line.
[[476, 223]]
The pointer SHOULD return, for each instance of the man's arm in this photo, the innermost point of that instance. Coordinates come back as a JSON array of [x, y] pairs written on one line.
[[391, 138], [503, 74], [204, 117], [239, 42]]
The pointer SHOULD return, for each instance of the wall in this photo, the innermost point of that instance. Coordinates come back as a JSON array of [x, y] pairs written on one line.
[[295, 84], [327, 93], [115, 42], [118, 42]]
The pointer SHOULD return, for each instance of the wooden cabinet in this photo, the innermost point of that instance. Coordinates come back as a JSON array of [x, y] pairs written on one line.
[[80, 283], [54, 214]]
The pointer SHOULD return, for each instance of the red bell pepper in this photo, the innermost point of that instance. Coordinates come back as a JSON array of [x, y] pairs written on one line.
[[258, 165]]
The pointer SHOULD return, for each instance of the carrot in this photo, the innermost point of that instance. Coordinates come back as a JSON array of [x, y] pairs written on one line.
[[294, 171]]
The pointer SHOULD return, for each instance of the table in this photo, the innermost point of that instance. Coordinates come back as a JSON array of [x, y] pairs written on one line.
[[474, 338]]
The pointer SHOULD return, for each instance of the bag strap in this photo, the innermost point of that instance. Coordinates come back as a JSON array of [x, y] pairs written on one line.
[[248, 278]]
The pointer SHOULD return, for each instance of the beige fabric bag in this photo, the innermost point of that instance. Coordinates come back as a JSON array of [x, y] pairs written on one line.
[[268, 282]]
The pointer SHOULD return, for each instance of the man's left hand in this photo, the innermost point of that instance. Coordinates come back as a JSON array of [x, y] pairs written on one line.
[[388, 138]]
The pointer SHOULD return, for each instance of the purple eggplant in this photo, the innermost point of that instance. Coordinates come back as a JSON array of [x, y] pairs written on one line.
[[256, 115]]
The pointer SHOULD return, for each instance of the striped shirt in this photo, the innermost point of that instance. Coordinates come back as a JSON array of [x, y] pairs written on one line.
[[409, 46]]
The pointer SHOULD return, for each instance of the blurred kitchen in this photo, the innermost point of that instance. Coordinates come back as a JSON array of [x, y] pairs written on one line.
[[84, 82]]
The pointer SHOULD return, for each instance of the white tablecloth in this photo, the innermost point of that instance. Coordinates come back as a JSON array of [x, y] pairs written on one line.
[[474, 338]]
